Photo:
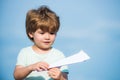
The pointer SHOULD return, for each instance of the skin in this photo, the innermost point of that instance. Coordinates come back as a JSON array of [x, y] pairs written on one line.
[[42, 44]]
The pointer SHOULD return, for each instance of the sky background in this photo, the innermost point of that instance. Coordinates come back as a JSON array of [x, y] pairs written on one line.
[[89, 25]]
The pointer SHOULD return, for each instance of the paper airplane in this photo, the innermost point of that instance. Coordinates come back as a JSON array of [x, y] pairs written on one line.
[[79, 57]]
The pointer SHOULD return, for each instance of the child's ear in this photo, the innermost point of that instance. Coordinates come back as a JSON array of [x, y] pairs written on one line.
[[31, 35]]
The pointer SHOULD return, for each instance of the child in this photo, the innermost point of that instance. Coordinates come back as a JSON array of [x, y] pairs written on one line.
[[33, 62]]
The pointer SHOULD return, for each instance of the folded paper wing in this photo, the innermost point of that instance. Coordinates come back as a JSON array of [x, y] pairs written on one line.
[[79, 57]]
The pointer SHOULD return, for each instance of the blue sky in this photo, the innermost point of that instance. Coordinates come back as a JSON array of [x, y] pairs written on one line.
[[90, 25]]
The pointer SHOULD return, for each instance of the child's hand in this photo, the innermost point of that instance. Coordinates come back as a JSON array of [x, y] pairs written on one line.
[[40, 66], [55, 73]]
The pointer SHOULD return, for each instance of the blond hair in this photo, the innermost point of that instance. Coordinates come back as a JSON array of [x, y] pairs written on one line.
[[43, 18]]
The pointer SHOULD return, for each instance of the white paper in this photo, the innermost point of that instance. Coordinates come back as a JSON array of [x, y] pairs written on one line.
[[79, 57]]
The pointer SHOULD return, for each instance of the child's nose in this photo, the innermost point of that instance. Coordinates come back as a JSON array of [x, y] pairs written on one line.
[[47, 36]]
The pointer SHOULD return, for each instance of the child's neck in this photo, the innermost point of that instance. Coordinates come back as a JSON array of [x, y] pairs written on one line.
[[40, 50]]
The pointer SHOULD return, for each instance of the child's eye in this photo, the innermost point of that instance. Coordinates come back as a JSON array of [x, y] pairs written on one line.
[[52, 33], [41, 32]]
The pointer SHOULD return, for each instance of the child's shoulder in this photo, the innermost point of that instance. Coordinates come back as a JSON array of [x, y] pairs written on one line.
[[28, 48], [54, 50], [57, 53]]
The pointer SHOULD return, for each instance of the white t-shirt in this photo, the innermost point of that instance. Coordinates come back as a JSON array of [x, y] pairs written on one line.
[[27, 57]]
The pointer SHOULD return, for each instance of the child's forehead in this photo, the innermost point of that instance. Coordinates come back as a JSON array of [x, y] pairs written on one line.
[[40, 30], [44, 28]]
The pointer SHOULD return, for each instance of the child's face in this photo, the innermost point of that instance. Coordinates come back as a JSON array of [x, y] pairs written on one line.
[[43, 40]]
